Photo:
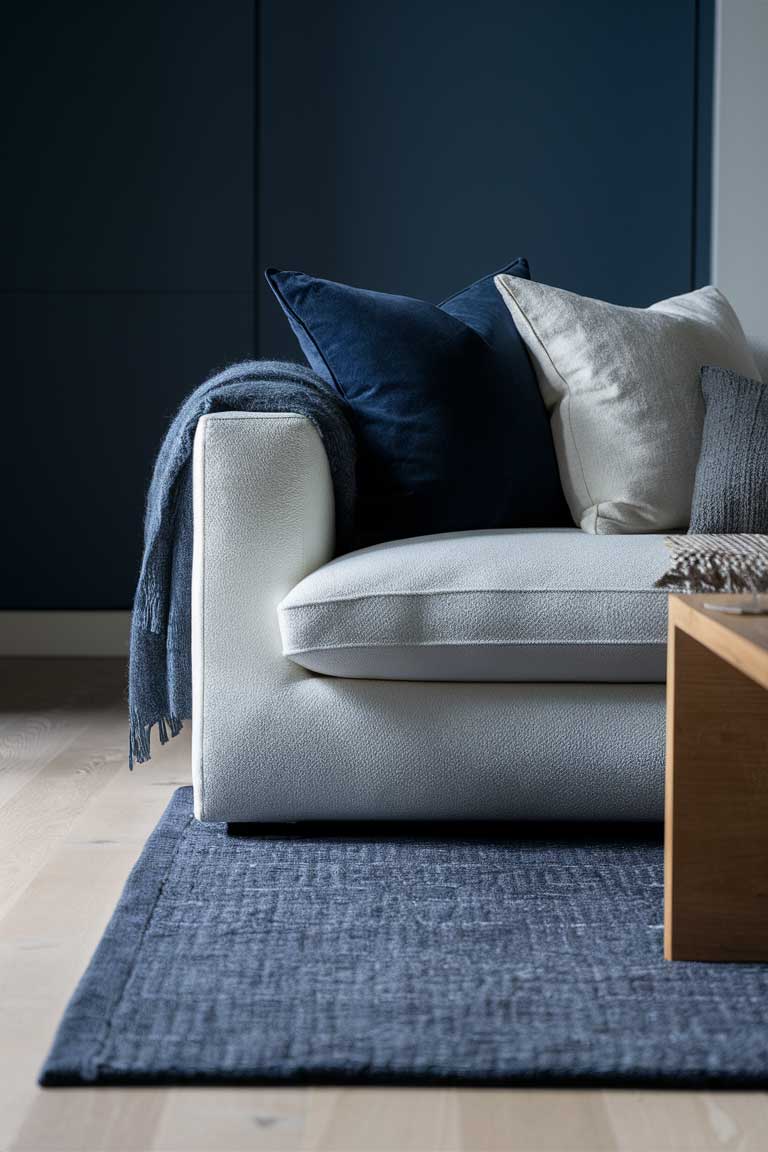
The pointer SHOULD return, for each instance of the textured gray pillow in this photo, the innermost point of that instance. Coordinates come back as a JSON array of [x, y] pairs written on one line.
[[730, 492]]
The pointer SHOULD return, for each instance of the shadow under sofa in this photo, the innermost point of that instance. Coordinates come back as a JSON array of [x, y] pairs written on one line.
[[502, 675]]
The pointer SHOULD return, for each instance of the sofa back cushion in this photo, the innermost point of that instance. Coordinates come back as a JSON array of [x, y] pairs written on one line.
[[452, 432], [622, 388]]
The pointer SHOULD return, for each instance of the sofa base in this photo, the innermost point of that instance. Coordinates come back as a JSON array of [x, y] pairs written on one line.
[[334, 749], [274, 742]]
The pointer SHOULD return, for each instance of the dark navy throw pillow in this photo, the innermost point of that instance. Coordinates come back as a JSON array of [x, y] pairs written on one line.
[[451, 429]]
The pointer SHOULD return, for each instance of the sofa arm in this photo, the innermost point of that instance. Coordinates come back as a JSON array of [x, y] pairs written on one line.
[[263, 520]]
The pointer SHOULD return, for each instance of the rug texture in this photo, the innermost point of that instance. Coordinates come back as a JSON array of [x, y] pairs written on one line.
[[472, 955]]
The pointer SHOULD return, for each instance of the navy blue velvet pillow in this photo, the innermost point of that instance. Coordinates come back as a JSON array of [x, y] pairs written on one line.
[[452, 432]]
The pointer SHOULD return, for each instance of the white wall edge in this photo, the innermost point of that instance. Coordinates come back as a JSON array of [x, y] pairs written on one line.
[[714, 251], [739, 248], [65, 633]]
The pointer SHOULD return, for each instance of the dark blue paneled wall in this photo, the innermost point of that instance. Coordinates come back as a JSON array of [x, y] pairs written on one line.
[[128, 271], [412, 147], [161, 153]]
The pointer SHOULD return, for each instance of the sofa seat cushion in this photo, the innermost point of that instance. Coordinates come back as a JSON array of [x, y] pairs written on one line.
[[505, 605]]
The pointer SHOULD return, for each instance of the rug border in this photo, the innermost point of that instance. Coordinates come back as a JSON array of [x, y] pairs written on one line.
[[84, 1029], [74, 1057]]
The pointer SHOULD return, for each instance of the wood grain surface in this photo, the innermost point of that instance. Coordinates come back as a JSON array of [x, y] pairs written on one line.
[[716, 835]]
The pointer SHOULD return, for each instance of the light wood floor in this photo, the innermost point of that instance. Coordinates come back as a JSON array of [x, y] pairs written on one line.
[[72, 822]]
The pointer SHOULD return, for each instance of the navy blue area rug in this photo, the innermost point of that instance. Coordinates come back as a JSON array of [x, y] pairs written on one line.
[[369, 954]]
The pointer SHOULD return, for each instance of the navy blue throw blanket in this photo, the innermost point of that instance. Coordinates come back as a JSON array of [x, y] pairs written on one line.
[[160, 672]]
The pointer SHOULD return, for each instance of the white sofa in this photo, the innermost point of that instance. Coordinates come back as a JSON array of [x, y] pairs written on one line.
[[513, 674]]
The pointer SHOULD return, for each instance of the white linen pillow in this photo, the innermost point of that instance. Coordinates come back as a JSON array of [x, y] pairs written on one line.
[[622, 389]]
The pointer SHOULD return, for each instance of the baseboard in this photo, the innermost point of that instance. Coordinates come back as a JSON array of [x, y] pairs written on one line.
[[64, 633]]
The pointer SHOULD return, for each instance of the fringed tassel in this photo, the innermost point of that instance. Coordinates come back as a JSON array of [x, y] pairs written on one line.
[[139, 736], [138, 741], [716, 573]]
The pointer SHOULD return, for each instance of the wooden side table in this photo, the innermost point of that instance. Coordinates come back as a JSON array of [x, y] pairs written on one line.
[[716, 834]]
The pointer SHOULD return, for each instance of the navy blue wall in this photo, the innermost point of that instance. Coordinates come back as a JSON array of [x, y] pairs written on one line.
[[129, 268], [414, 147], [163, 152]]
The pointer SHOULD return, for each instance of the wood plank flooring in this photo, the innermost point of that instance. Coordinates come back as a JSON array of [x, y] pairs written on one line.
[[72, 822]]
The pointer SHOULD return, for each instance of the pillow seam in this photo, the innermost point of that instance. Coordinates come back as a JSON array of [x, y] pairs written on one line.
[[289, 308], [491, 276]]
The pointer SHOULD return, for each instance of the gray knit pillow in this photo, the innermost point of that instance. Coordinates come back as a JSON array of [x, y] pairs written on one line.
[[731, 489]]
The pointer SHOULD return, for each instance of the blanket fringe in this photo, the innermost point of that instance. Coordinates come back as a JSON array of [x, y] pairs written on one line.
[[715, 572], [139, 736]]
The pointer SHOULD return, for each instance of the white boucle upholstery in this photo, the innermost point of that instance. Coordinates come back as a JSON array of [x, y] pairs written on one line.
[[272, 741], [515, 605]]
